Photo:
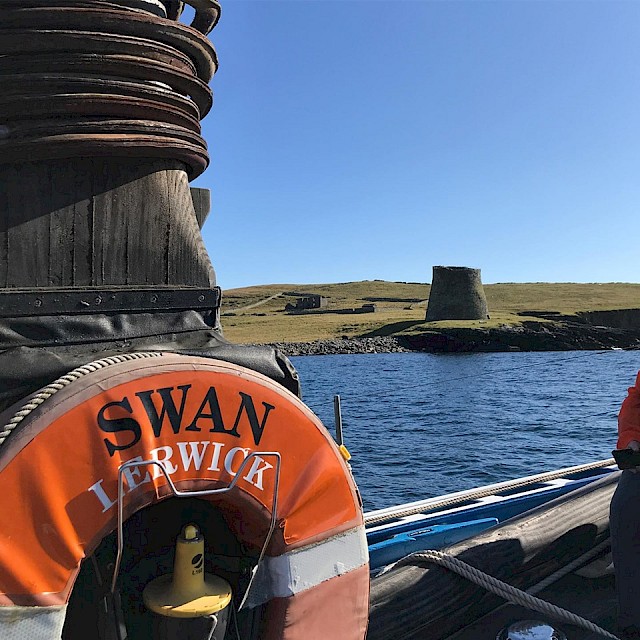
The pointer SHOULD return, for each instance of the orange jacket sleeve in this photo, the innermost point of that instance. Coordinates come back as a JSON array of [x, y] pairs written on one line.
[[629, 417]]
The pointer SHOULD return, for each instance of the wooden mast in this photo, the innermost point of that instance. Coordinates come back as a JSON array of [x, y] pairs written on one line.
[[99, 137]]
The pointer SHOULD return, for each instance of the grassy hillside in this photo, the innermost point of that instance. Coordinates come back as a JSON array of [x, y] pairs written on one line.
[[256, 314]]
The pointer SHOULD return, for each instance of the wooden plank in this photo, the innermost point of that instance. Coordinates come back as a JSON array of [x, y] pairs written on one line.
[[97, 222], [83, 224], [27, 240], [153, 210], [4, 222], [201, 204], [187, 256], [61, 233]]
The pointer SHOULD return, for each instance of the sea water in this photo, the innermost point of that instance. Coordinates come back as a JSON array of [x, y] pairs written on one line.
[[421, 425]]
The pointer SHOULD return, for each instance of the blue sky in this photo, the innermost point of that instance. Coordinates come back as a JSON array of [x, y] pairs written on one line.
[[355, 140]]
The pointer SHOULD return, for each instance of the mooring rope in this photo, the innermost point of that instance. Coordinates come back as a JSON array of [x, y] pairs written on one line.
[[567, 569], [510, 593], [64, 381], [374, 517]]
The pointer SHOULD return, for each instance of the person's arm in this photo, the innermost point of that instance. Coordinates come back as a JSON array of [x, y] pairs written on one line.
[[629, 419]]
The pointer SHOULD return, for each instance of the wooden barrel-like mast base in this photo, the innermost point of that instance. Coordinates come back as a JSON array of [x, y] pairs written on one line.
[[99, 221]]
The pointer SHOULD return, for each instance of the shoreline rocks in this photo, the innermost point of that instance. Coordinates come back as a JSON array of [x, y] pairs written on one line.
[[530, 336], [334, 346]]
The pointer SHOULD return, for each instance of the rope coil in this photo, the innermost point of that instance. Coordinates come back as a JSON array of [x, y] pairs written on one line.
[[137, 80]]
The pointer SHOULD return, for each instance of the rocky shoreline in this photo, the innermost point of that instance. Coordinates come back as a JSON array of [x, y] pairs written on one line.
[[530, 336], [379, 344]]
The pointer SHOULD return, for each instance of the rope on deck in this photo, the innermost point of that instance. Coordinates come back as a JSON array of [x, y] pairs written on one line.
[[65, 381], [513, 594]]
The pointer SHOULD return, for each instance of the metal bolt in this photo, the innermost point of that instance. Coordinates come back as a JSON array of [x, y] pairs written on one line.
[[38, 302], [200, 298], [154, 298]]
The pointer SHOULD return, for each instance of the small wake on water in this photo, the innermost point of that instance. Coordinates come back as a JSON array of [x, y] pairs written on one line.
[[420, 425]]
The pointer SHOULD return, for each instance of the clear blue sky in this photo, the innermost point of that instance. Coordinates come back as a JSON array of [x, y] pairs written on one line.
[[355, 140]]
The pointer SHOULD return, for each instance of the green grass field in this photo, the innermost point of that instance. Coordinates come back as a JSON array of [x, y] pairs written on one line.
[[256, 314]]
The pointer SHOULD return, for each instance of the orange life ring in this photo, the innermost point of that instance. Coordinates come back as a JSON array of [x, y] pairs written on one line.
[[200, 418]]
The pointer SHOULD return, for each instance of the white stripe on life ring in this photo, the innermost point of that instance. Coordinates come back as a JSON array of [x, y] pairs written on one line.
[[296, 571], [32, 623], [278, 577]]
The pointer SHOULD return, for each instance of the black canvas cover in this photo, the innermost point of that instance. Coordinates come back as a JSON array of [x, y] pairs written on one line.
[[35, 350]]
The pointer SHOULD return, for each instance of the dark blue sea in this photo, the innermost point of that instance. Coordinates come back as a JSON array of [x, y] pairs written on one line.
[[420, 425]]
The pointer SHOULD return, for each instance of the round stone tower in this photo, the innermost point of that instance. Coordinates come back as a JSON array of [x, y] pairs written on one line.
[[457, 294]]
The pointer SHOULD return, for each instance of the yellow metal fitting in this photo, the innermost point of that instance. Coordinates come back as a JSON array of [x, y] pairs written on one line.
[[345, 452], [189, 592]]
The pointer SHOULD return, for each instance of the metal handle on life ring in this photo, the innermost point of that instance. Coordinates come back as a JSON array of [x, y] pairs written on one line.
[[198, 494]]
